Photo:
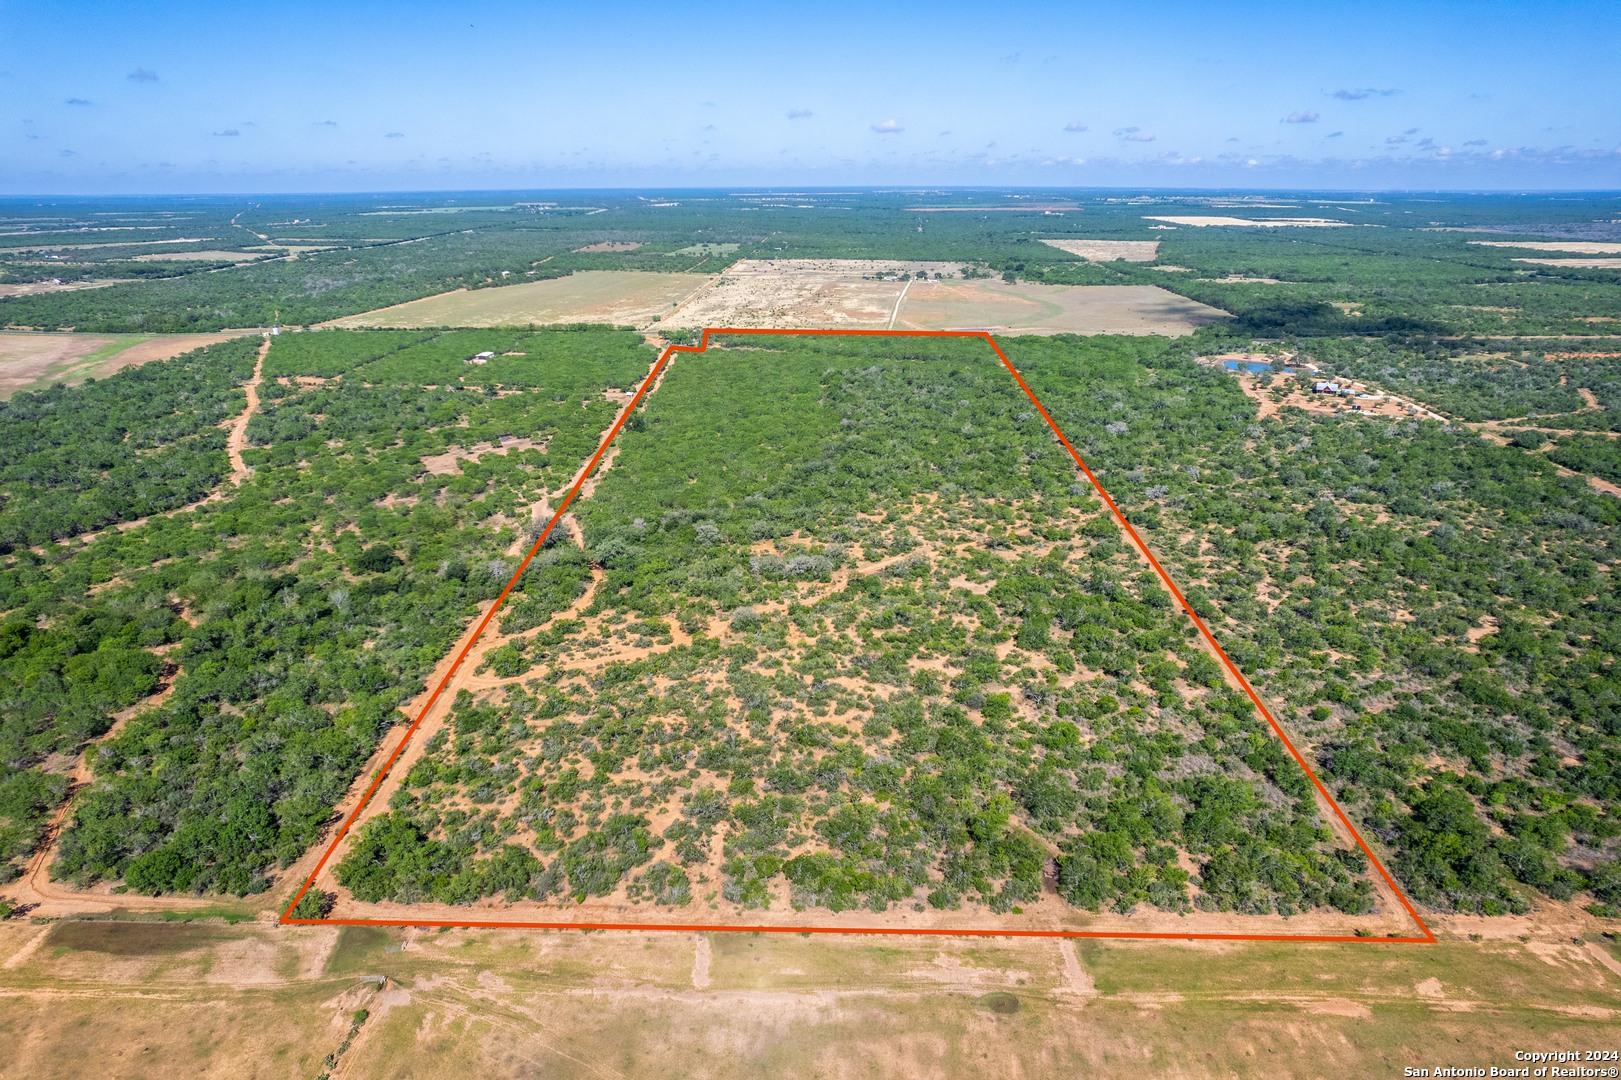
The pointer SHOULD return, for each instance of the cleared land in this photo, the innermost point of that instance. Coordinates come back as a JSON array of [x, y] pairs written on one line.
[[198, 256], [1109, 250], [863, 294], [32, 361], [1029, 308], [1580, 247], [1202, 220], [1588, 264], [813, 293], [620, 297], [247, 1000], [35, 288]]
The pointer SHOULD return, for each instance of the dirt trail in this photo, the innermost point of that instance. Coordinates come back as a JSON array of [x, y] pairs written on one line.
[[35, 886], [238, 437]]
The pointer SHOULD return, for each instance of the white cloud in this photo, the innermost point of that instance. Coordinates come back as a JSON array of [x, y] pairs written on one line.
[[395, 135], [1362, 92], [800, 114], [77, 101], [888, 127], [142, 75], [228, 133], [1075, 125], [1133, 134], [1306, 116]]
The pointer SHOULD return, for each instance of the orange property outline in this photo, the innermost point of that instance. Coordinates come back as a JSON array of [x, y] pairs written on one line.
[[1425, 936]]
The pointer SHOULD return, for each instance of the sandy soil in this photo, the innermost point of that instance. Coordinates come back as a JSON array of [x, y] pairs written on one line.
[[449, 463], [1580, 247], [1203, 220], [238, 437], [33, 361], [1109, 250], [612, 245], [1029, 308], [620, 297]]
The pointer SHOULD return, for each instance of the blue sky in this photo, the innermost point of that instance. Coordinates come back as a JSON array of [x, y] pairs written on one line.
[[173, 96]]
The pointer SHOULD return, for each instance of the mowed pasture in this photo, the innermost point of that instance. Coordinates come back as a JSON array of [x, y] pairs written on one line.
[[33, 361], [618, 297], [871, 295]]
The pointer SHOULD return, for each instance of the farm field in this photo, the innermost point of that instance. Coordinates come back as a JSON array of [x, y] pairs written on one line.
[[31, 361], [614, 297], [1108, 250], [1031, 308], [1200, 221]]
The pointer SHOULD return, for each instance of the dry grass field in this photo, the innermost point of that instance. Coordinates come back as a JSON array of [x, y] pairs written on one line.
[[1109, 250], [1585, 264], [154, 999], [31, 361], [199, 256], [619, 297], [1579, 247], [1200, 221], [1028, 308]]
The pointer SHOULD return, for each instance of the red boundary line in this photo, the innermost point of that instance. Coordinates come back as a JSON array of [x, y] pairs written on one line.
[[1426, 936]]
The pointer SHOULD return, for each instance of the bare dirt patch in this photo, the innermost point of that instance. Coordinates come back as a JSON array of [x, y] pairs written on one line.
[[33, 361], [621, 297], [1109, 250], [612, 245], [1200, 221], [449, 463]]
